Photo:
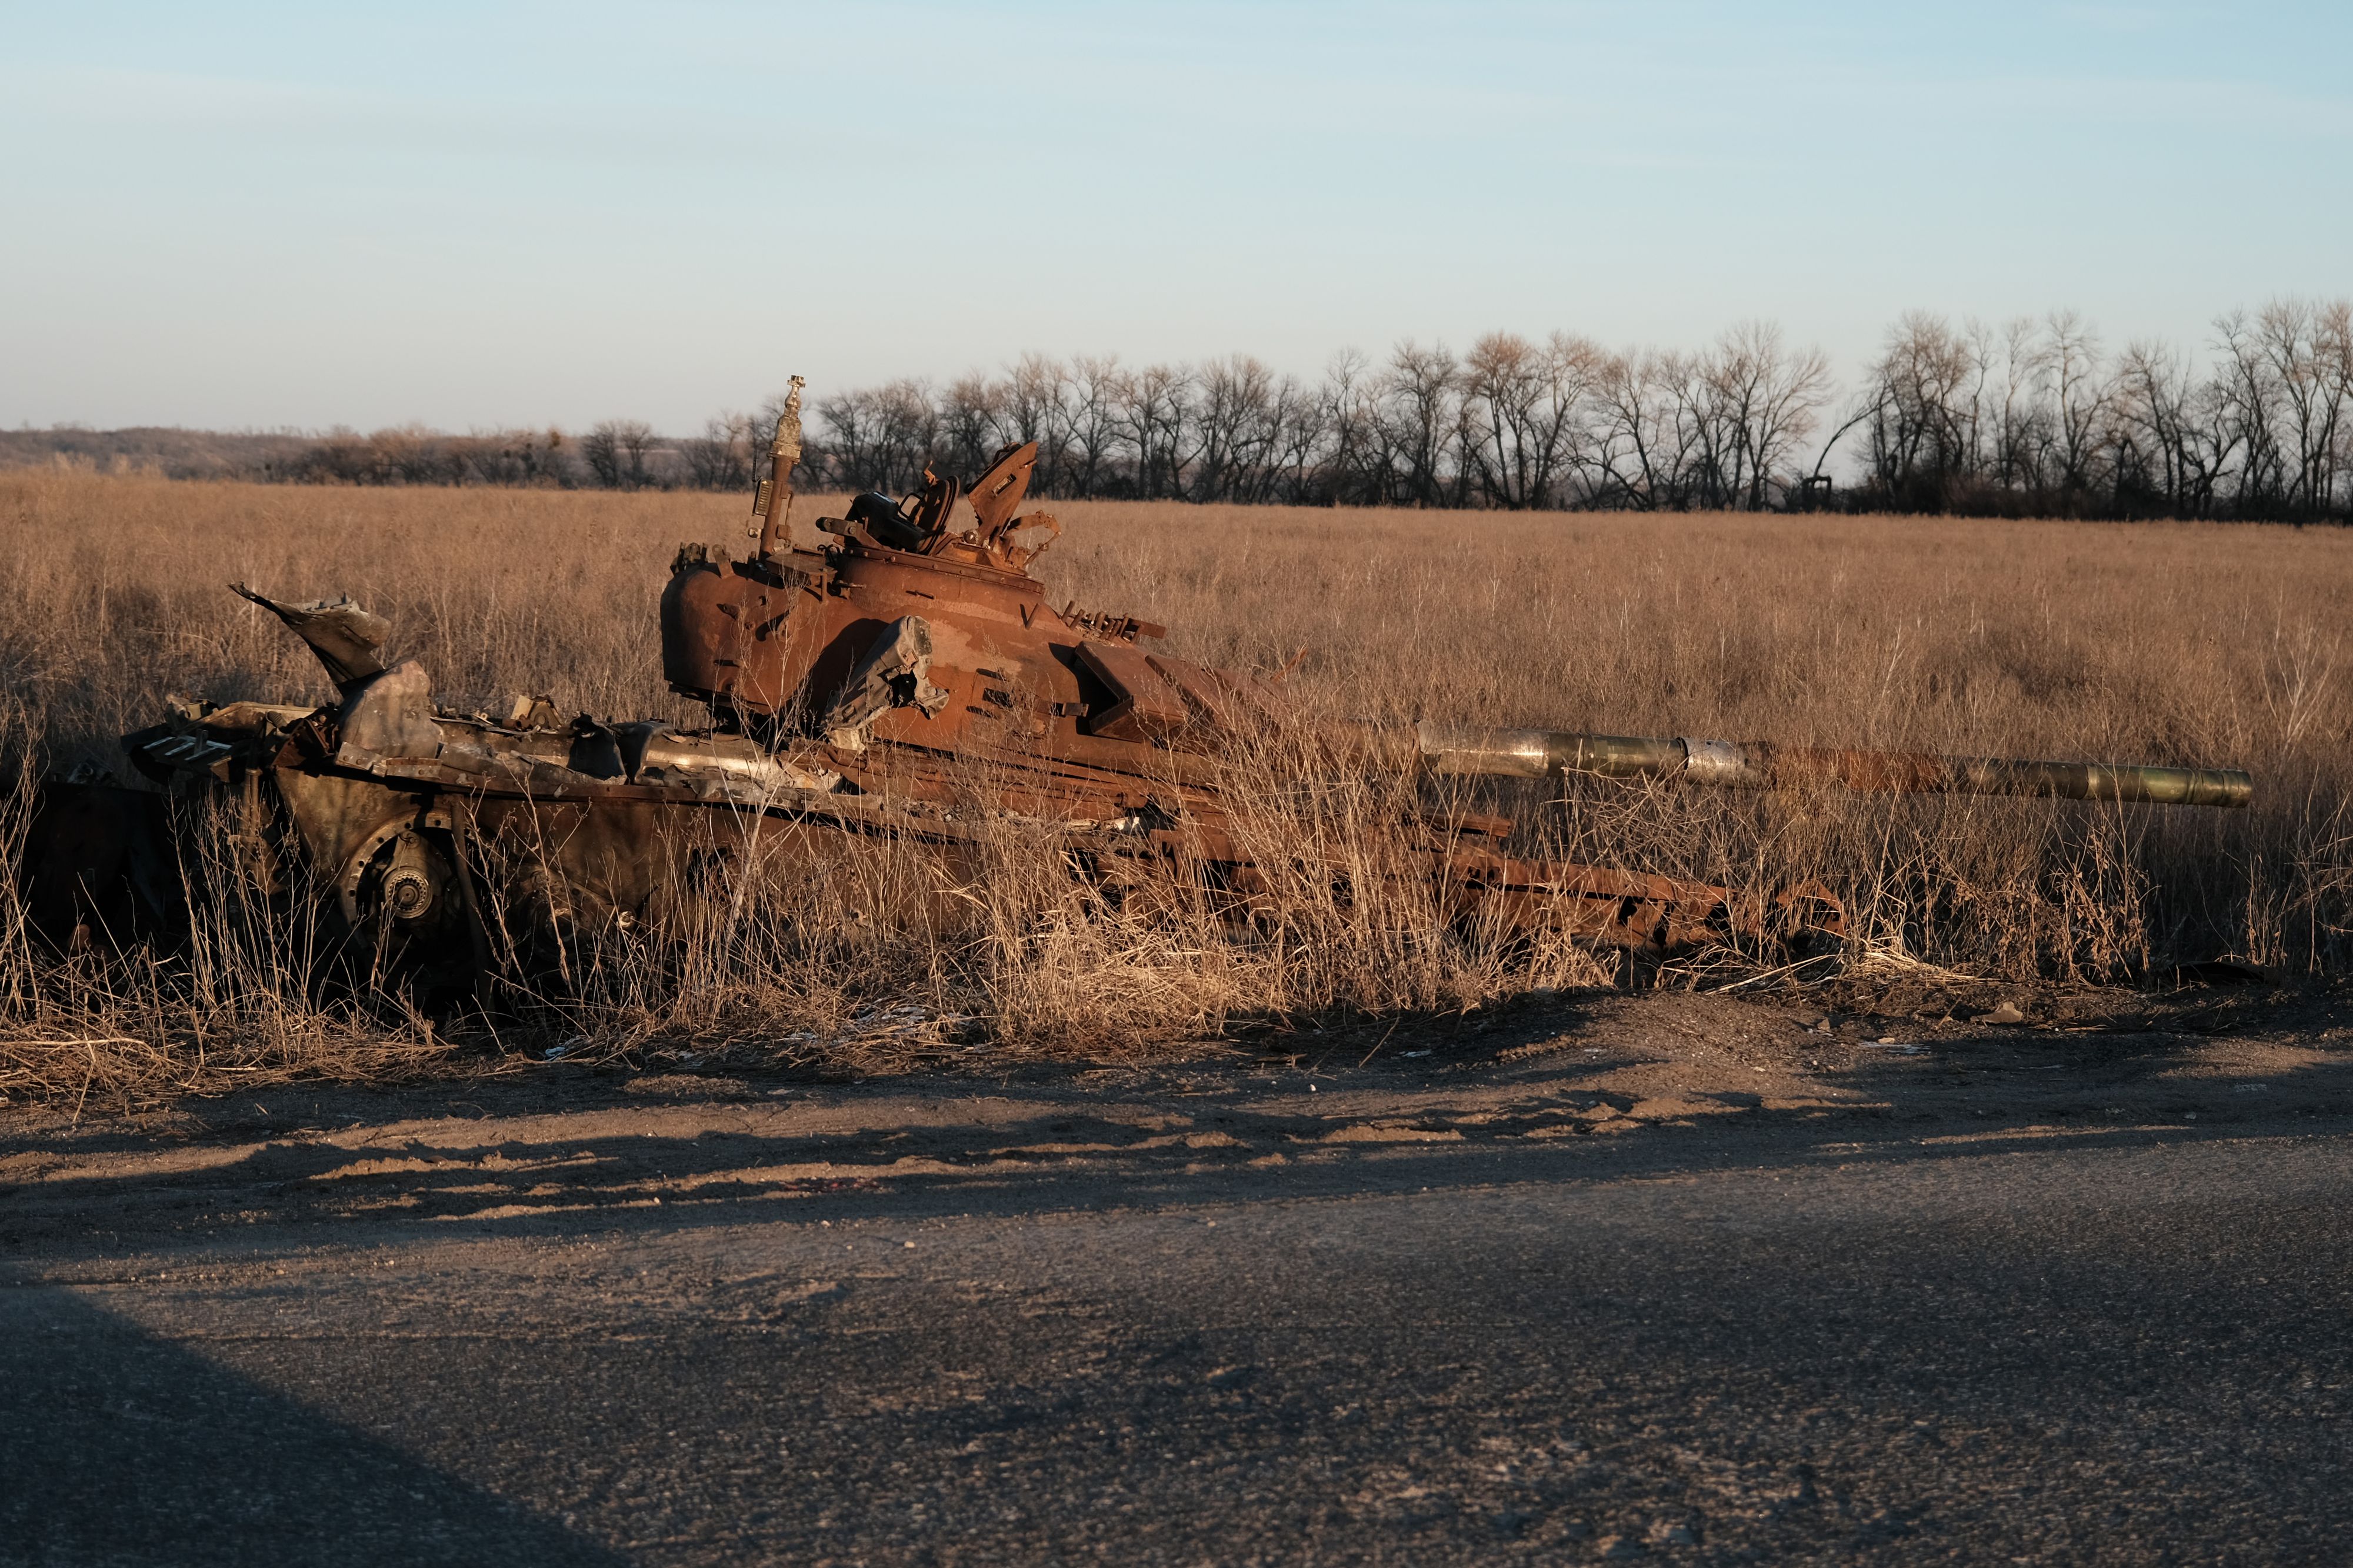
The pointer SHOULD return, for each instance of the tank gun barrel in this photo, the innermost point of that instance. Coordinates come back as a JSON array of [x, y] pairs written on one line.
[[1758, 764]]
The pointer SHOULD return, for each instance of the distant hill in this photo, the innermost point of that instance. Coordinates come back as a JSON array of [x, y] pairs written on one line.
[[619, 454], [168, 449]]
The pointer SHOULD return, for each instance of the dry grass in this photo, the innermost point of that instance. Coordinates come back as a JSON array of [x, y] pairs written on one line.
[[2167, 643]]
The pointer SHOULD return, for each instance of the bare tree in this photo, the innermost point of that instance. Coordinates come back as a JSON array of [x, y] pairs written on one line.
[[1094, 422], [413, 455], [1153, 414], [1923, 434], [517, 458], [1524, 406], [722, 457], [1236, 425], [1035, 406], [1421, 419], [1348, 408], [1647, 432], [1763, 398], [970, 424], [2080, 400], [2165, 425], [2307, 348], [880, 438], [615, 451], [2010, 421], [1301, 428], [2247, 402]]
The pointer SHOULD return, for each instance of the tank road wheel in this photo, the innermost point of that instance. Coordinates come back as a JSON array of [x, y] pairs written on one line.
[[400, 894]]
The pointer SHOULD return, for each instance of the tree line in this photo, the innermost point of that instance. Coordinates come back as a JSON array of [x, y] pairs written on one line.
[[2029, 416], [2035, 417]]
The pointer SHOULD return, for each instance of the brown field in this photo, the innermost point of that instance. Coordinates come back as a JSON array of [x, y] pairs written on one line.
[[2177, 643]]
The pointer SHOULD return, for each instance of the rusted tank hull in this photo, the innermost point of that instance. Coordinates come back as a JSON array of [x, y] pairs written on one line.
[[495, 849]]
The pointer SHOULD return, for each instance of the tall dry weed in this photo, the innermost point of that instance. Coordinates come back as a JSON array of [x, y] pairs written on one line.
[[2161, 642]]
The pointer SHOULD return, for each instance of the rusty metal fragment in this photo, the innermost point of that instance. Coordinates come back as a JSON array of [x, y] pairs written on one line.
[[343, 636], [891, 674]]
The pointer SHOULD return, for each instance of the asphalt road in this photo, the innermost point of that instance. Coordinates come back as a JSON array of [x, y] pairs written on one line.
[[620, 1336], [1973, 1353]]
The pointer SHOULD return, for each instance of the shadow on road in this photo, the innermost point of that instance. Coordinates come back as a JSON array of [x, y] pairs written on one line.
[[118, 1448]]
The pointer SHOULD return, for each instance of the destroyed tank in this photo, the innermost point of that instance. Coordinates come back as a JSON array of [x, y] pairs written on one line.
[[903, 674]]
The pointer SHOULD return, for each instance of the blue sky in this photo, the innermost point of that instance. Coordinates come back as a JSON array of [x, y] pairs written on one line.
[[242, 215]]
